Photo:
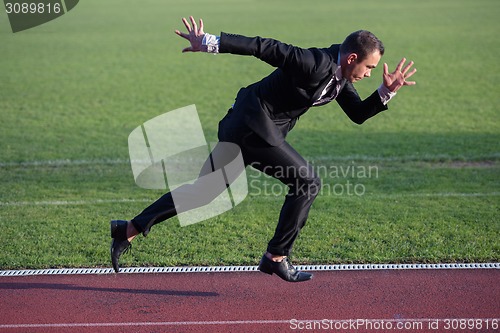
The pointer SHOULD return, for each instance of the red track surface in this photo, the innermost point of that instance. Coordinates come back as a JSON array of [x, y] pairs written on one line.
[[250, 302]]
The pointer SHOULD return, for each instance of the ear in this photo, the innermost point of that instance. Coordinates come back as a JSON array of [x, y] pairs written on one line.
[[352, 58]]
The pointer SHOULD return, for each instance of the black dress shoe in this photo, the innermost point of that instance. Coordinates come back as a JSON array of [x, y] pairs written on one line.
[[120, 243], [284, 269]]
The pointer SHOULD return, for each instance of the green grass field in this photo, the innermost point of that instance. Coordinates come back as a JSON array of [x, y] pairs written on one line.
[[73, 89]]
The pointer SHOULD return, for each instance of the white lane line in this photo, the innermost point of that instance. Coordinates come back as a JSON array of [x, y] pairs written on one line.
[[388, 324], [167, 323]]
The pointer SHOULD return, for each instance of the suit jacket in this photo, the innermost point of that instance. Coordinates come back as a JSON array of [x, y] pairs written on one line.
[[271, 106]]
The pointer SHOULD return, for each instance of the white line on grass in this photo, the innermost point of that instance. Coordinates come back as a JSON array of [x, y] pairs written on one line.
[[439, 194], [344, 324], [63, 162], [71, 202], [368, 158], [269, 197], [406, 158]]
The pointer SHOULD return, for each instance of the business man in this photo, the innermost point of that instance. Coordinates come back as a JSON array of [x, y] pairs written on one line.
[[264, 112]]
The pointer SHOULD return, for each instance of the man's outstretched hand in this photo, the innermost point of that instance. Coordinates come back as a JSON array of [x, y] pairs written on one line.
[[395, 80], [194, 36]]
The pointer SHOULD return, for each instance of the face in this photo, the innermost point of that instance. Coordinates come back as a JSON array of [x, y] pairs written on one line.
[[355, 70]]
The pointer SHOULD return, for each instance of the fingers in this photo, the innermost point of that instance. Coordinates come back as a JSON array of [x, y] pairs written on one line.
[[192, 28], [201, 27], [406, 75], [195, 27], [193, 32], [186, 24], [183, 35], [188, 27], [404, 71], [197, 31], [407, 67], [400, 65], [411, 73], [395, 80]]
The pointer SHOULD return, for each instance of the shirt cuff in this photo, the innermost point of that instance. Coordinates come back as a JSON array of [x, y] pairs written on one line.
[[210, 43], [385, 94]]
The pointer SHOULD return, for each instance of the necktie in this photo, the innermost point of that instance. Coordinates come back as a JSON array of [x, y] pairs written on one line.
[[332, 92]]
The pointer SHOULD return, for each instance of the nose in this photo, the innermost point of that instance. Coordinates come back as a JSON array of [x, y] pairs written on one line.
[[368, 73]]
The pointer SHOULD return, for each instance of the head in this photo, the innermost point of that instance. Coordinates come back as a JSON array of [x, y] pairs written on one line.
[[359, 54]]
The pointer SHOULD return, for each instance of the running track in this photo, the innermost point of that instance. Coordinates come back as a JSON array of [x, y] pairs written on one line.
[[252, 302]]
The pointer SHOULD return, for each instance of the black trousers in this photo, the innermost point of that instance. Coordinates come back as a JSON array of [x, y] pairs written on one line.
[[282, 162]]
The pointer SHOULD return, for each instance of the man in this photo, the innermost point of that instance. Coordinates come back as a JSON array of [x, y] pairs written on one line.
[[263, 114]]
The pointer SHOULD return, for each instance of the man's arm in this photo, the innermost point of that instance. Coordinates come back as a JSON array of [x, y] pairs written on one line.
[[271, 51], [356, 109]]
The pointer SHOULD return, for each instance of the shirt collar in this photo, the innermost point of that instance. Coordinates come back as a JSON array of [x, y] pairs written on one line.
[[338, 72]]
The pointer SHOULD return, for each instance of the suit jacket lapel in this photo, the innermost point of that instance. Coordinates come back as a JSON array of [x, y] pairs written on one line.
[[334, 51]]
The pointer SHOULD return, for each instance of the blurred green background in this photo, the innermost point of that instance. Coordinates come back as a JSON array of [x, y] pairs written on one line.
[[72, 90]]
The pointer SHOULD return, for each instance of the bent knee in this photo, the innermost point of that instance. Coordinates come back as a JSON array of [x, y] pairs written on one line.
[[310, 186], [315, 186]]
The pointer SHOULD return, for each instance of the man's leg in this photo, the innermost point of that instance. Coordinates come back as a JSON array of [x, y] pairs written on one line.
[[285, 163], [186, 197], [191, 196], [159, 211]]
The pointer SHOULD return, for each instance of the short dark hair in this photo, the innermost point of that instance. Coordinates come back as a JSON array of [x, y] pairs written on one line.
[[363, 43]]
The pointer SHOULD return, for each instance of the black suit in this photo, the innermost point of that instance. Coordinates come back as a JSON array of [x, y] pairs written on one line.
[[290, 90], [264, 113]]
